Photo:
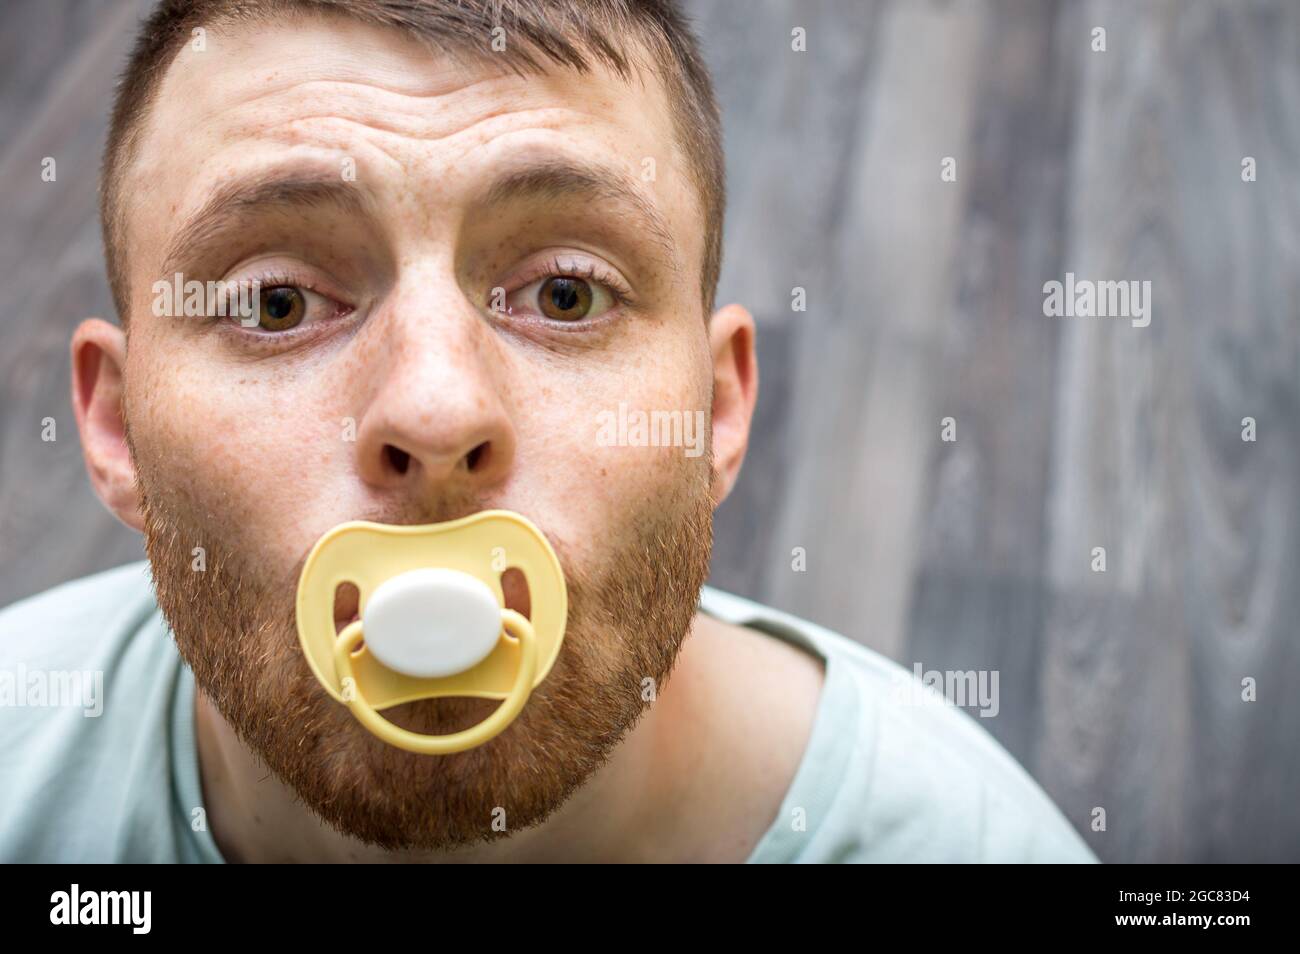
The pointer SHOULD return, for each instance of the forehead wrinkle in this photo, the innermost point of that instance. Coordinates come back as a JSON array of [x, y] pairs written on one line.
[[376, 106], [417, 124], [296, 129], [409, 97], [399, 102]]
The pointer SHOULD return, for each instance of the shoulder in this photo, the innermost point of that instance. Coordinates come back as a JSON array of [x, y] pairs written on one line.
[[894, 773], [89, 689], [67, 621]]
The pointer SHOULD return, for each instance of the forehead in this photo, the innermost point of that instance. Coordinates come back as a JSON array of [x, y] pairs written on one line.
[[422, 125]]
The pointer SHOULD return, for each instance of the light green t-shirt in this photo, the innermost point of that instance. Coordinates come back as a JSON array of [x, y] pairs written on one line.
[[98, 761]]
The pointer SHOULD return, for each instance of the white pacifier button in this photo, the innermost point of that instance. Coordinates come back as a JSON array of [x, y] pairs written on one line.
[[431, 622]]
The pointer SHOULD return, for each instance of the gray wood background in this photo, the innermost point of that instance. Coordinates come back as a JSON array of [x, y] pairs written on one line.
[[1120, 690]]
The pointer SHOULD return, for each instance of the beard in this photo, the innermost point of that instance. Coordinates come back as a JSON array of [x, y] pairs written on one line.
[[234, 624]]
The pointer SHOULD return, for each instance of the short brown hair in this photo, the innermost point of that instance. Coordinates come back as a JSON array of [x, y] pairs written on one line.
[[565, 32]]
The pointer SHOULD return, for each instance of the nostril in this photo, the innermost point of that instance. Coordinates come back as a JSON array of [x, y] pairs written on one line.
[[398, 459], [475, 457]]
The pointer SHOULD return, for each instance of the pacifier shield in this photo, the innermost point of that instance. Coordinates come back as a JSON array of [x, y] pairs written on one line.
[[433, 620], [404, 660]]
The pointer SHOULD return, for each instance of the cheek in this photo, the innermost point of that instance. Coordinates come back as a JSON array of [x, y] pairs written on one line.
[[570, 468], [238, 452]]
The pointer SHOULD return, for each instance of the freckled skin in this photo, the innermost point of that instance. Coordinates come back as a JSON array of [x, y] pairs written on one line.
[[242, 452]]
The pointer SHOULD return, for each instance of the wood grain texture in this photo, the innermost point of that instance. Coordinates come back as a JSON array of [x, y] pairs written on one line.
[[1144, 665], [1119, 690], [61, 62]]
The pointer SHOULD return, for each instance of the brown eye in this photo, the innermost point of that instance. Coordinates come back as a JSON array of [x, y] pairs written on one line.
[[281, 308], [565, 298]]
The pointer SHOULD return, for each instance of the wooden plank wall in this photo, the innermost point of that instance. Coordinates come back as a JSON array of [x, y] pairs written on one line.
[[1121, 690]]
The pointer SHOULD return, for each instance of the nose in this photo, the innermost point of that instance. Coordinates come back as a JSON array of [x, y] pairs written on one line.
[[436, 419]]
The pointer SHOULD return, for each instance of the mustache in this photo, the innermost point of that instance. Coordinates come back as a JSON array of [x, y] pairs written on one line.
[[404, 514], [440, 509], [175, 521]]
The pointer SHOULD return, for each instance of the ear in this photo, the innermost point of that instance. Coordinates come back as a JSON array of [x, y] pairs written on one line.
[[735, 391], [98, 362]]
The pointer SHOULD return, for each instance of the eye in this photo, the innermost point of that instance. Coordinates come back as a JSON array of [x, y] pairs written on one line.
[[565, 298], [281, 308], [568, 294]]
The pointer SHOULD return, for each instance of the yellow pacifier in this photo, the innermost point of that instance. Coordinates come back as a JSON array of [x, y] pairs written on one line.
[[433, 620]]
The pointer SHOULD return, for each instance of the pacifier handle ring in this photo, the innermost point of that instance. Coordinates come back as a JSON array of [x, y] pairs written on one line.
[[514, 624]]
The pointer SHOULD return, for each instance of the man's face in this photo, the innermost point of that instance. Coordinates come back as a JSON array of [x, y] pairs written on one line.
[[387, 386]]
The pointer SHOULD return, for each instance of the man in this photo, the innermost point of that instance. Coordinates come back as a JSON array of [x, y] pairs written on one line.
[[473, 239]]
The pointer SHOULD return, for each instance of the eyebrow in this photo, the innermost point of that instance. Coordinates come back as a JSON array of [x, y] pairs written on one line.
[[277, 190], [290, 190], [560, 178]]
